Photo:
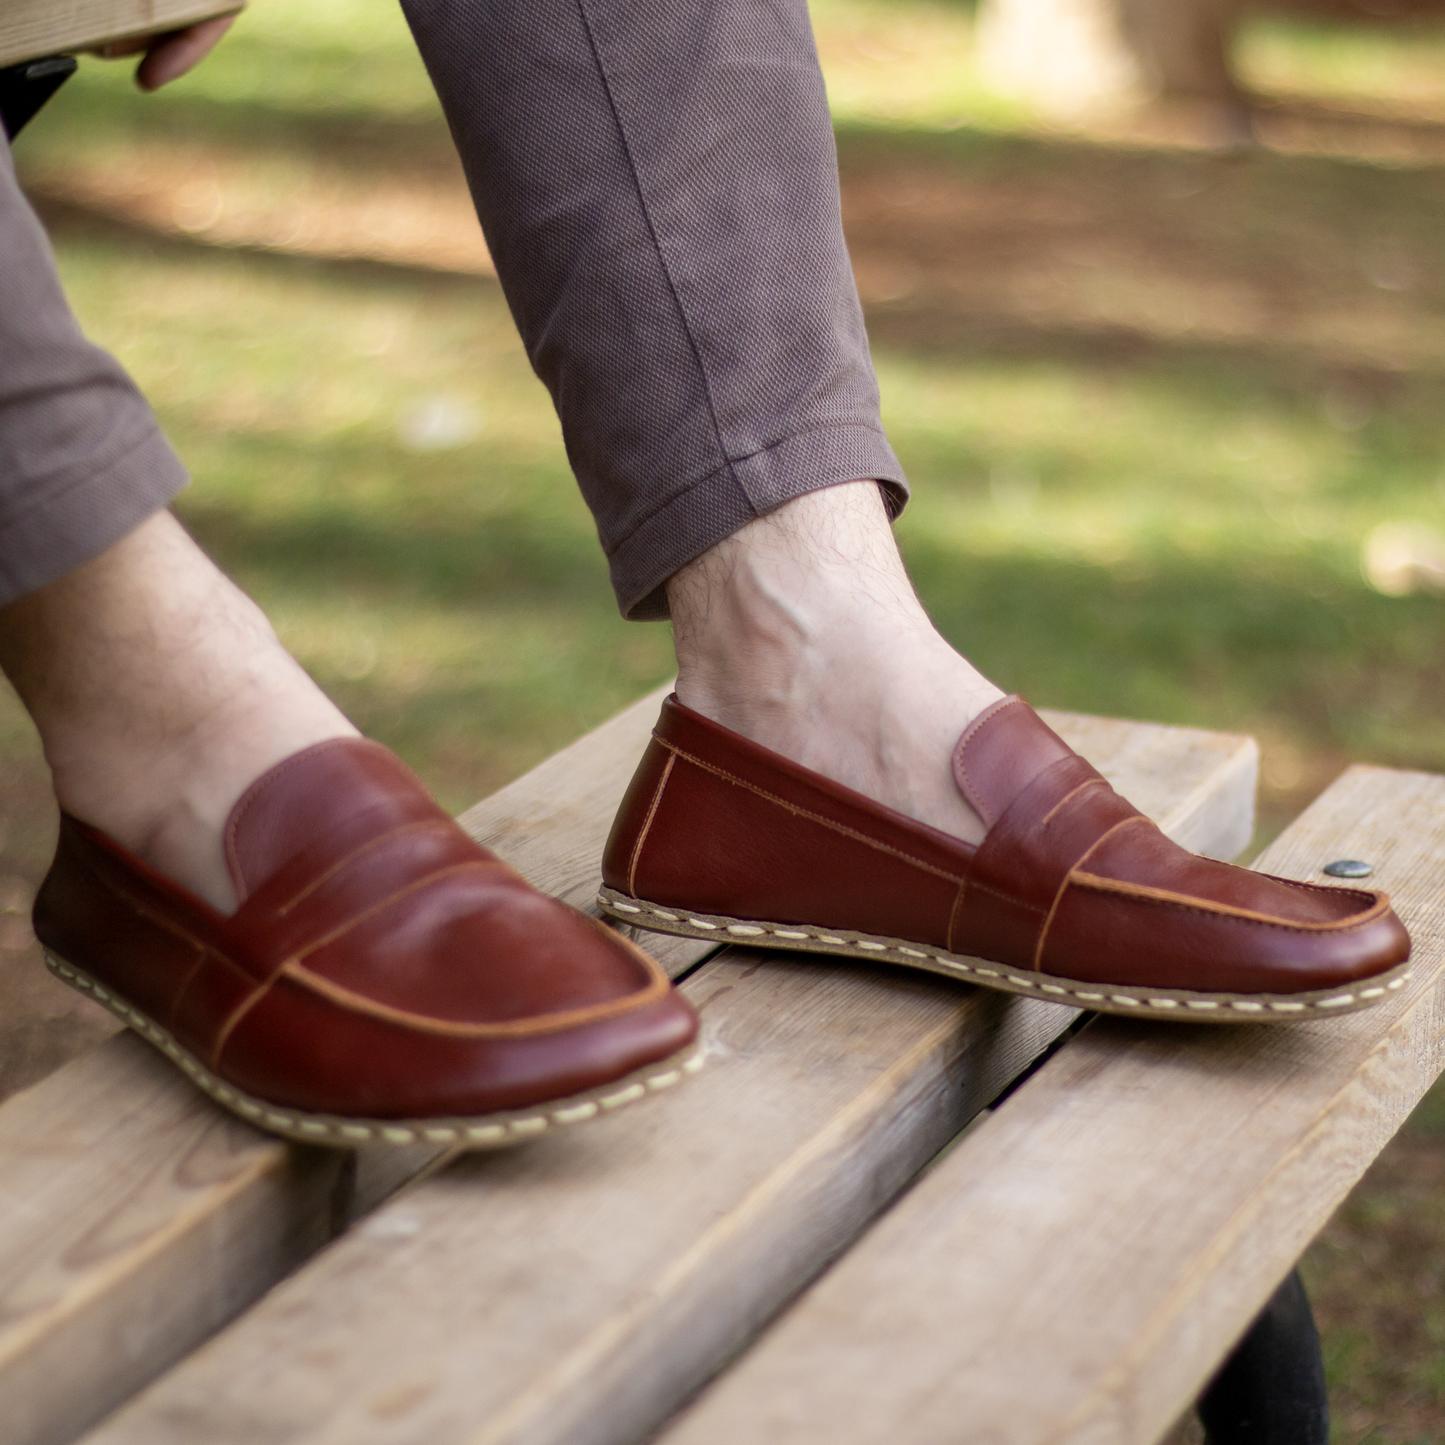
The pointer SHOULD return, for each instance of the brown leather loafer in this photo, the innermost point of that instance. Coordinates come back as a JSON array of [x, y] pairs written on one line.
[[1073, 895], [385, 978]]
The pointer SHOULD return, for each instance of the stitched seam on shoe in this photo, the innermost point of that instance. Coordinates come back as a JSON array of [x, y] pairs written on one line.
[[203, 951], [1068, 797], [353, 1002], [161, 921], [972, 883], [356, 853], [191, 975], [992, 711], [342, 929], [811, 816], [647, 825], [953, 914], [1068, 877], [983, 887], [249, 800], [1006, 897], [1088, 994], [1328, 888], [1142, 893], [238, 1013], [174, 929]]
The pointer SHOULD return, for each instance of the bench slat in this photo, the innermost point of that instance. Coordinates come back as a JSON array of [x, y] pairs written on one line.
[[136, 1218], [1079, 1265], [576, 1291], [33, 28]]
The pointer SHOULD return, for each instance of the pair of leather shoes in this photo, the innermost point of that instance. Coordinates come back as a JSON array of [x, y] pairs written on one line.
[[386, 978]]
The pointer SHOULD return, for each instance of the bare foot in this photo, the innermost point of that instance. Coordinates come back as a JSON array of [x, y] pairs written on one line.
[[802, 632], [160, 693]]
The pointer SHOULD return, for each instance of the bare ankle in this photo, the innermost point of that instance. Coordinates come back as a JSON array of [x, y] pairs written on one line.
[[160, 693], [802, 632], [753, 616]]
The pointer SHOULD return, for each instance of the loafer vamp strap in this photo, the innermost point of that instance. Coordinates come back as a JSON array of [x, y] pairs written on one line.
[[1024, 864]]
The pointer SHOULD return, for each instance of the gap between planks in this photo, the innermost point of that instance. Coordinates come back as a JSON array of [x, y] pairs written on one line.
[[576, 1290], [1078, 1267]]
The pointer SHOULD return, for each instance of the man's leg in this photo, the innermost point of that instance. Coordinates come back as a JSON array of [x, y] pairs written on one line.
[[160, 693], [159, 690], [385, 978], [659, 188]]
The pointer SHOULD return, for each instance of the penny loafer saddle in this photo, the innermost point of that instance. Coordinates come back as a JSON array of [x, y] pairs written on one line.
[[385, 978], [1073, 895]]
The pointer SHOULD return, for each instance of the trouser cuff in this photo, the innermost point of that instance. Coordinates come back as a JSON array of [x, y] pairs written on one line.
[[55, 533], [716, 506]]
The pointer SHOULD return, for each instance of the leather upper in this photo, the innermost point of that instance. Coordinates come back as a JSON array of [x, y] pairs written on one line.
[[1070, 880], [381, 962]]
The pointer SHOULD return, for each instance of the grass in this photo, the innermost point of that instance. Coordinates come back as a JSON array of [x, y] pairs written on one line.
[[1152, 403]]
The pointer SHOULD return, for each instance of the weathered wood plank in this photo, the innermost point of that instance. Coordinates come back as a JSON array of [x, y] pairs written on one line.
[[578, 1290], [135, 1218], [1076, 1269], [30, 29]]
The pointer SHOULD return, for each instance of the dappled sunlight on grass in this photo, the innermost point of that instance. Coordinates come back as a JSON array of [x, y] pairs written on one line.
[[1175, 546], [913, 64], [327, 57], [1175, 540]]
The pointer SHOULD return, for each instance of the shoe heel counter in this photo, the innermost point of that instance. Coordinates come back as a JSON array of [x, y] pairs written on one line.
[[623, 853]]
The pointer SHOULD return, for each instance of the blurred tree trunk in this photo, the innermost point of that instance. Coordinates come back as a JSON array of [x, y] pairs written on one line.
[[1073, 55]]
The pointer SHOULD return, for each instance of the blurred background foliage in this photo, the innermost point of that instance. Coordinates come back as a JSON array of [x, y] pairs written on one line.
[[1155, 394]]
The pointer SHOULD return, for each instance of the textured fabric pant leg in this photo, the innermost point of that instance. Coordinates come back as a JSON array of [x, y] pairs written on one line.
[[82, 461], [659, 188]]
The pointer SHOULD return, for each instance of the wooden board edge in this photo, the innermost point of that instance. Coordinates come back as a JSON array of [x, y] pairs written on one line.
[[79, 28]]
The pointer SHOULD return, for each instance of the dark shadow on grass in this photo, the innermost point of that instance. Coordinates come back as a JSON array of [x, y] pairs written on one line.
[[513, 557], [354, 137]]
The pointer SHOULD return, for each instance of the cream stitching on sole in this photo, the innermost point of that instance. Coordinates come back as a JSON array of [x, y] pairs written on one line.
[[1120, 998], [489, 1131]]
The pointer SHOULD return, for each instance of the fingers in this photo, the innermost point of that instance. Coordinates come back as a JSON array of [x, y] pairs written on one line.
[[170, 56]]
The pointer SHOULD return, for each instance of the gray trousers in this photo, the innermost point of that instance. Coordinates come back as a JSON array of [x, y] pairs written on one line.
[[658, 186]]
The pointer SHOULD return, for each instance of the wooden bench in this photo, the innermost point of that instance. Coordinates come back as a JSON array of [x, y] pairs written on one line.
[[1073, 1268]]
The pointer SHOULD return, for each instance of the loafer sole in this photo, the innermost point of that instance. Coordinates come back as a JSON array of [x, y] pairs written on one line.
[[486, 1131], [1126, 999]]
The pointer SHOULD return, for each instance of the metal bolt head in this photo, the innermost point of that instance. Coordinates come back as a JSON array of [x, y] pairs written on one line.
[[1349, 868]]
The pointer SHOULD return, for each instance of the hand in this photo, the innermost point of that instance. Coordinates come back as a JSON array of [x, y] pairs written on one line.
[[170, 55]]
